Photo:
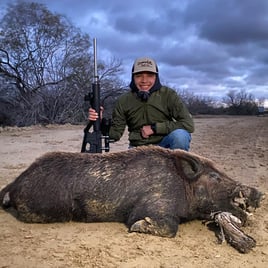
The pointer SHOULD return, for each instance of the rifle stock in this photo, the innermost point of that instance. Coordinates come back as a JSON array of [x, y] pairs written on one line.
[[94, 138]]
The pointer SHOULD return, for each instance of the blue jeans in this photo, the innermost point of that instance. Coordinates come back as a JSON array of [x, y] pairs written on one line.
[[177, 139]]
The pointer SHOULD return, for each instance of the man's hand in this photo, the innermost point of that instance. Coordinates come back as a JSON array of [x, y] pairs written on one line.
[[93, 115], [146, 131]]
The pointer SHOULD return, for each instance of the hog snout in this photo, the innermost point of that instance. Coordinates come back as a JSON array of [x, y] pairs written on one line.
[[247, 198]]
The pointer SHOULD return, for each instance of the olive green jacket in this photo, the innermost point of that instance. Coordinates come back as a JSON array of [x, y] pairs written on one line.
[[163, 108]]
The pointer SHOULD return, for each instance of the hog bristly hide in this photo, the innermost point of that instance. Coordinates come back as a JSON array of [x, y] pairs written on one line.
[[150, 189]]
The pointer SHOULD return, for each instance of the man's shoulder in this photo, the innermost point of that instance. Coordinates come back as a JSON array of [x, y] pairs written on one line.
[[125, 97], [166, 89]]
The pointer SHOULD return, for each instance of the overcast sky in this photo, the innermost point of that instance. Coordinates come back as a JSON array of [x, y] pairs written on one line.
[[206, 46]]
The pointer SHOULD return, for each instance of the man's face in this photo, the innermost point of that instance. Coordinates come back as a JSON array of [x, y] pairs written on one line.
[[144, 80]]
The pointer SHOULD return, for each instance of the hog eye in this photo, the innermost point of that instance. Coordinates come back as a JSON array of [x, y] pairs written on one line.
[[214, 176]]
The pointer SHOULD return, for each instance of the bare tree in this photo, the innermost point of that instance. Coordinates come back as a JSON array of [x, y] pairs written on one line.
[[48, 65], [240, 102], [197, 104], [37, 52]]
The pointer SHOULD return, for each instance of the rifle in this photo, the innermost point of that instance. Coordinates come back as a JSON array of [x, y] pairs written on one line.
[[100, 127]]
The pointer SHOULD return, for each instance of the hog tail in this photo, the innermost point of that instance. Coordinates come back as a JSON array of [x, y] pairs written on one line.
[[5, 198]]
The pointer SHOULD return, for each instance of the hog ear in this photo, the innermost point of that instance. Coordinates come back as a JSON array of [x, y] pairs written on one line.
[[190, 166]]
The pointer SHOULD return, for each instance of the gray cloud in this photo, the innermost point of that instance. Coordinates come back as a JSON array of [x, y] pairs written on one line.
[[208, 46], [229, 21]]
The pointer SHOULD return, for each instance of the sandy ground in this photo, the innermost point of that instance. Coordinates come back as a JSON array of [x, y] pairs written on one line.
[[238, 144]]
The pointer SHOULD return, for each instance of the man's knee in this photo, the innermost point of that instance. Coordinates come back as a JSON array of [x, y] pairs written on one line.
[[177, 139]]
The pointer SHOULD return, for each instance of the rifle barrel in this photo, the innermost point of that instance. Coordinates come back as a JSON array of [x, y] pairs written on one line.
[[94, 139], [96, 78]]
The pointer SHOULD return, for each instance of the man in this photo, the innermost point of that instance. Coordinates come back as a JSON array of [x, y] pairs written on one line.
[[154, 114]]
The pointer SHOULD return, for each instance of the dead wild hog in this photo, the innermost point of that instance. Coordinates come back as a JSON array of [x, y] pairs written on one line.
[[150, 189]]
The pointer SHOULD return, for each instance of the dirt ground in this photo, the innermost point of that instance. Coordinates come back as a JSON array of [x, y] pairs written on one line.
[[238, 144]]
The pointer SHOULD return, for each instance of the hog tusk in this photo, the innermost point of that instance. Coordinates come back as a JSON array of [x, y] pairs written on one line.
[[240, 201]]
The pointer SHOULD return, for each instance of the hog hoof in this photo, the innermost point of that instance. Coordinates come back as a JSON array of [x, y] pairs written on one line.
[[149, 226]]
